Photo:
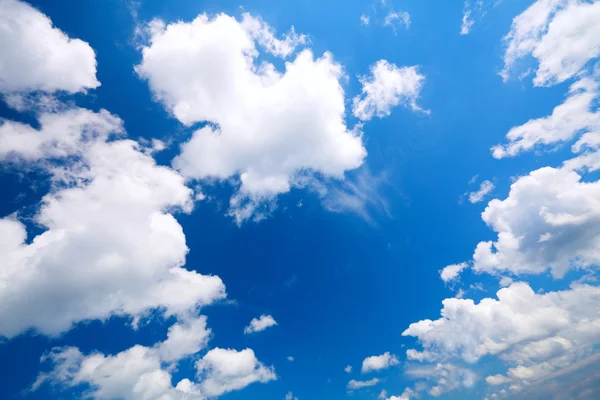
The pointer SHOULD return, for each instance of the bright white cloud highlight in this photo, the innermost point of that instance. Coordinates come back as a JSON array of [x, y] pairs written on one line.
[[377, 363], [226, 370], [485, 188], [34, 55], [386, 87], [451, 272], [562, 35], [267, 126], [260, 324]]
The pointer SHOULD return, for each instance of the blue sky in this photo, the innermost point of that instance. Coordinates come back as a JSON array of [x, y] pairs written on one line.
[[174, 173]]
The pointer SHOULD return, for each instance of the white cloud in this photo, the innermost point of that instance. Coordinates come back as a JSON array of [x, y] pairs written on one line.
[[505, 281], [388, 86], [111, 245], [36, 56], [396, 20], [445, 377], [260, 324], [495, 380], [348, 369], [422, 356], [290, 396], [226, 370], [576, 115], [535, 334], [139, 373], [290, 358], [267, 126], [467, 22], [553, 203], [485, 188], [562, 35], [364, 20], [451, 272], [184, 338], [354, 384], [61, 134], [377, 363]]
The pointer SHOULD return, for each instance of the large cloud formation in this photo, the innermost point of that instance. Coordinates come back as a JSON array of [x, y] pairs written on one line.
[[263, 125]]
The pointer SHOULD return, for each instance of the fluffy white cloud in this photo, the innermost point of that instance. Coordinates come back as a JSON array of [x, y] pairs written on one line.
[[225, 370], [348, 369], [354, 384], [451, 272], [576, 115], [376, 363], [260, 324], [548, 221], [562, 35], [111, 245], [364, 20], [36, 56], [388, 86], [485, 188], [535, 334], [61, 134], [139, 373], [266, 126], [184, 338]]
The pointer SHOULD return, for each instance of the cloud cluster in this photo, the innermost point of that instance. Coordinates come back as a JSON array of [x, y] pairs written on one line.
[[139, 373], [561, 35], [264, 126]]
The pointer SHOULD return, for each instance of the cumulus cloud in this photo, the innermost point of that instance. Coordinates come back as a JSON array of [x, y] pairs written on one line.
[[348, 369], [34, 55], [534, 334], [548, 221], [139, 373], [485, 188], [387, 86], [260, 324], [265, 126], [562, 35], [377, 363], [225, 370], [451, 272], [578, 114], [355, 385], [110, 244]]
